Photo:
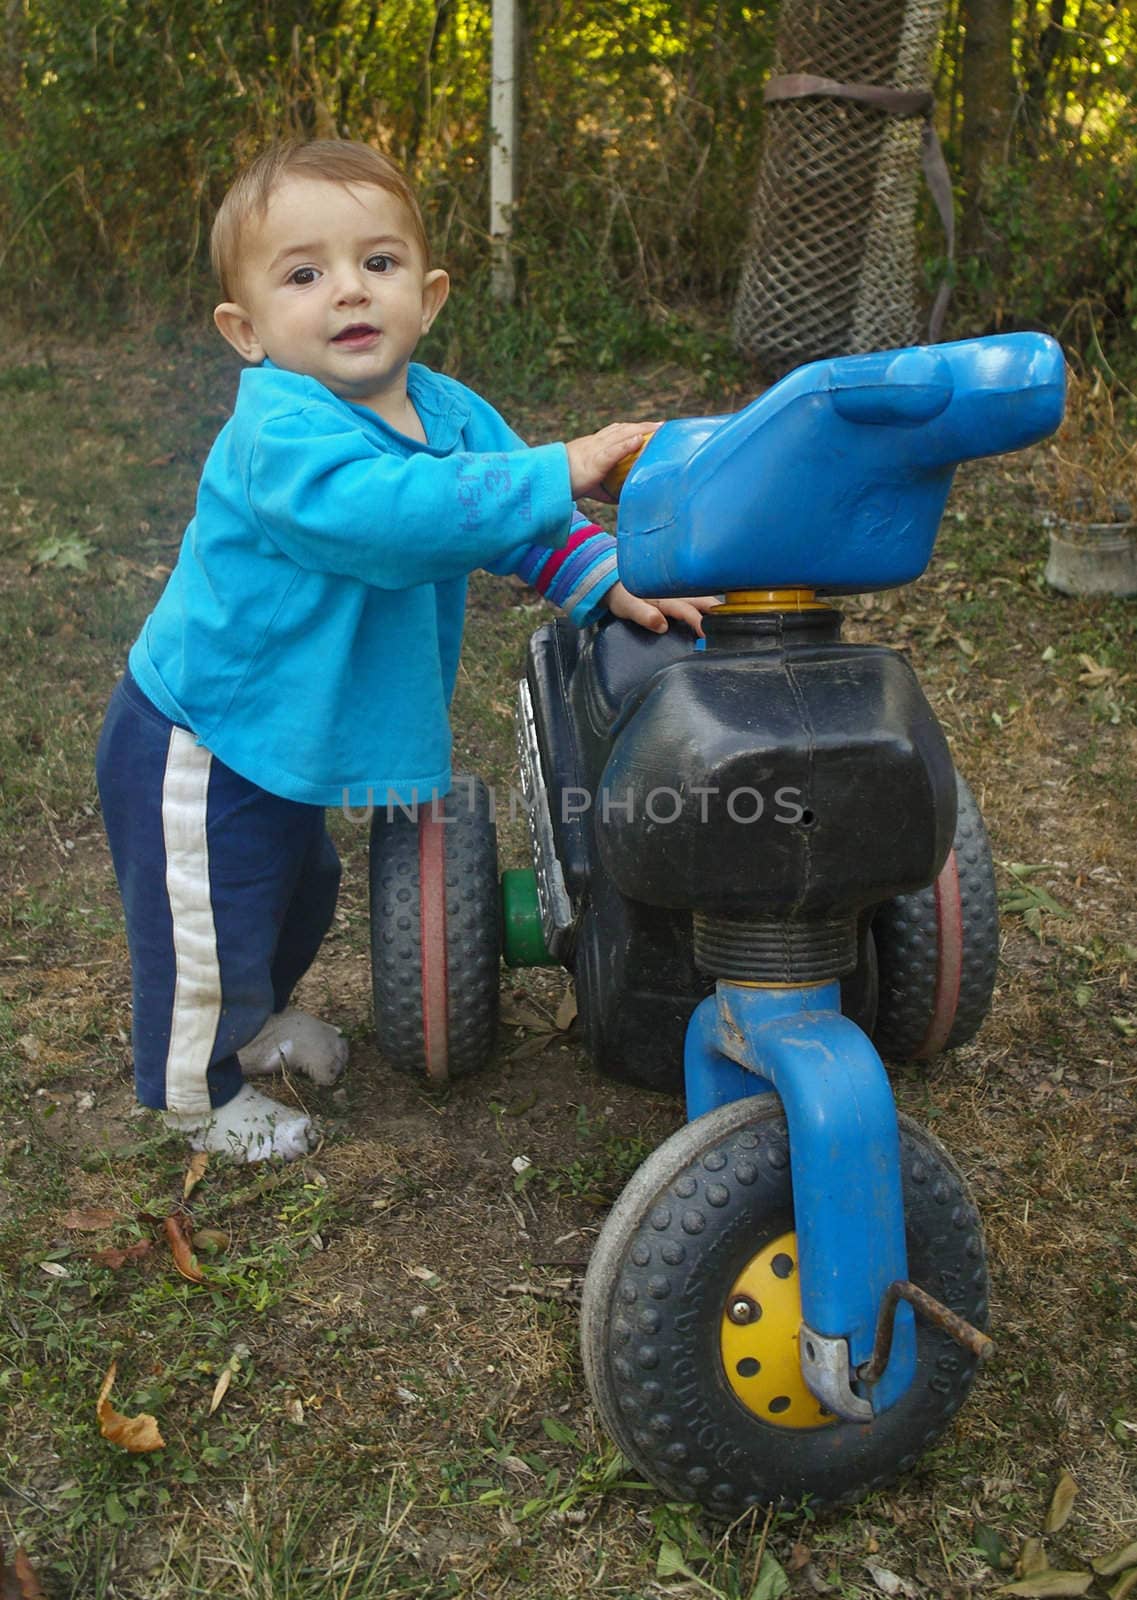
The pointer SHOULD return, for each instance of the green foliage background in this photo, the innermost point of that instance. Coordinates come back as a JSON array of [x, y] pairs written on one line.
[[640, 133], [124, 120]]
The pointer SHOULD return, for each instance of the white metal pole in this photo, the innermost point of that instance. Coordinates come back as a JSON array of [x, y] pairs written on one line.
[[503, 145]]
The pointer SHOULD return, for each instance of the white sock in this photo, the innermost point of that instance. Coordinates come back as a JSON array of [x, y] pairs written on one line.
[[296, 1041], [250, 1127]]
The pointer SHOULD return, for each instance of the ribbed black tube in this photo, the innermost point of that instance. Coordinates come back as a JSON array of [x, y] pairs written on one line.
[[770, 950], [771, 630]]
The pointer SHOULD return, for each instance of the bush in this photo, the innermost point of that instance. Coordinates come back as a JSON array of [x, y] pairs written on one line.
[[128, 118], [1065, 236]]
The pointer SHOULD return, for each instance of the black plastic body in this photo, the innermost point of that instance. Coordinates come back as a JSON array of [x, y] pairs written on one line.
[[631, 726], [798, 777]]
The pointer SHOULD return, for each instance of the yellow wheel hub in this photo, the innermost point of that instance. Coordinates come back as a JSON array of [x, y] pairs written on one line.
[[760, 1323]]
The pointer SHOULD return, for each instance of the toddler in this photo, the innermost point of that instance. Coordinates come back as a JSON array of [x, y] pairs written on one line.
[[304, 650]]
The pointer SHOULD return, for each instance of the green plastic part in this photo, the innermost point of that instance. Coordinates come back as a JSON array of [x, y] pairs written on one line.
[[523, 942]]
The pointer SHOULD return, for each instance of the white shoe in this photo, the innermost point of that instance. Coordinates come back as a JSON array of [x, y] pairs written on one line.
[[250, 1127], [300, 1043]]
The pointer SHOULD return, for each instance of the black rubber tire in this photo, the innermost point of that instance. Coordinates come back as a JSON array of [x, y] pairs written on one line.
[[860, 988], [697, 1210], [913, 1020], [472, 914]]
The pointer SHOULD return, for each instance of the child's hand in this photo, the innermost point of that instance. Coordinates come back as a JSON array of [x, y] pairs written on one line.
[[653, 614], [592, 458]]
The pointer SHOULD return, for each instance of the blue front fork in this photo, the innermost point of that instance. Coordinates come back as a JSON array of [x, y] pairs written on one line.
[[844, 1165]]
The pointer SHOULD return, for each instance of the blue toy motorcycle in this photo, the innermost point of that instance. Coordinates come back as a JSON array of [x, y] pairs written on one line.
[[761, 867]]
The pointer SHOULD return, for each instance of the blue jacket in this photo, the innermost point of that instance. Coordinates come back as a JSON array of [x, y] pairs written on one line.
[[309, 633]]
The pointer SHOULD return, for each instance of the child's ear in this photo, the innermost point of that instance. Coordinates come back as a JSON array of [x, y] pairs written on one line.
[[235, 325], [435, 293]]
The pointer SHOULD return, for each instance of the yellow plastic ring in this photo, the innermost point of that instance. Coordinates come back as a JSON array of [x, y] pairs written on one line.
[[750, 601]]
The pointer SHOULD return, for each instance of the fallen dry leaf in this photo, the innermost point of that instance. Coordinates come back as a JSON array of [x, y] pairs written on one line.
[[1032, 1558], [221, 1388], [115, 1257], [19, 1582], [91, 1220], [195, 1172], [1096, 671], [184, 1258], [1052, 1585], [210, 1239], [29, 1583], [891, 1583], [522, 1016], [566, 1011], [1061, 1504], [1117, 1561], [232, 1366], [137, 1434], [531, 1047], [816, 1582]]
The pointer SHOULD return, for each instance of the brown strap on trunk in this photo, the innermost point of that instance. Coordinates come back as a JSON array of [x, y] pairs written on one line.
[[898, 103]]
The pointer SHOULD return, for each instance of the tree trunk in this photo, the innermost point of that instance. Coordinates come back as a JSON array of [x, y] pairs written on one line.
[[1042, 45], [990, 97], [11, 66], [830, 265]]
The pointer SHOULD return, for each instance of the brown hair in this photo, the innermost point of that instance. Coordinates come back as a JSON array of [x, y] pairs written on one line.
[[340, 161]]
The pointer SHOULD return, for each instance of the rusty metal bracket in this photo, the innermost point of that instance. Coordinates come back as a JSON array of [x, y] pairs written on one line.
[[931, 1310]]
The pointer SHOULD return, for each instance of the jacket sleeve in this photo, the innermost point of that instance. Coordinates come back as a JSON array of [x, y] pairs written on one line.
[[333, 500], [575, 575]]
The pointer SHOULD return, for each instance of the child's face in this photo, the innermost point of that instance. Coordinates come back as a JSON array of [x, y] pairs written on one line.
[[333, 285]]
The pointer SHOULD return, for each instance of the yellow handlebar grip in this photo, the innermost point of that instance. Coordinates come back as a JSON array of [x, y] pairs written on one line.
[[614, 481]]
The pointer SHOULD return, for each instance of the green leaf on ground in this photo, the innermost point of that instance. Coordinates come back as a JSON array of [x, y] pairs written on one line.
[[68, 550], [559, 1434], [670, 1562], [992, 1547], [772, 1580]]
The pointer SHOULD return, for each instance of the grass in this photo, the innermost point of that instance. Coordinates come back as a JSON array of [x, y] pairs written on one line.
[[406, 1414]]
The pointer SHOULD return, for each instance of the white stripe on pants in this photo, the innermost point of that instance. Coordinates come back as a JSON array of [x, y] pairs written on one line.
[[197, 987]]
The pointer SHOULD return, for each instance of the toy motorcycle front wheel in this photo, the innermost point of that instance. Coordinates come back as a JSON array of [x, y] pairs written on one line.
[[709, 1403]]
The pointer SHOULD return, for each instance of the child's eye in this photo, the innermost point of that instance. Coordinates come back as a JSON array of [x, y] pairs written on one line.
[[302, 276], [380, 263]]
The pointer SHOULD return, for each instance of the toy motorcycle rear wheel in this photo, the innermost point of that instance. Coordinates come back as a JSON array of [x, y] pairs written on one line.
[[436, 933], [938, 949], [720, 1415]]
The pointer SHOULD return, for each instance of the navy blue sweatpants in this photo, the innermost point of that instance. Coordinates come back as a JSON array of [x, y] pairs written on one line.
[[228, 892]]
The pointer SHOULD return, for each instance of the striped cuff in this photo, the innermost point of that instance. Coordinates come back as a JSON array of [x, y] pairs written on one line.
[[577, 576]]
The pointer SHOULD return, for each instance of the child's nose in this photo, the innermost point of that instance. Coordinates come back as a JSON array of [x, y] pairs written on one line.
[[352, 287]]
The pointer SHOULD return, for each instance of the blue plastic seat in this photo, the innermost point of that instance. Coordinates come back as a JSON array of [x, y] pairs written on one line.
[[834, 479]]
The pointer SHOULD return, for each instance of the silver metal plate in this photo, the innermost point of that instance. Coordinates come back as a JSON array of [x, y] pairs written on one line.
[[557, 917], [825, 1368]]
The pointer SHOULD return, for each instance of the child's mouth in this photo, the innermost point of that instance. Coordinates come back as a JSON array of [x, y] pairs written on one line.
[[358, 334]]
